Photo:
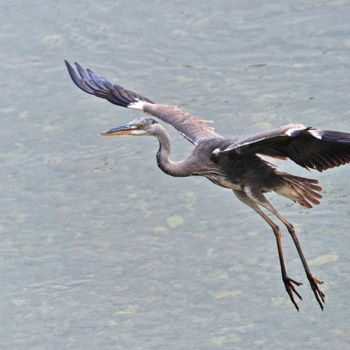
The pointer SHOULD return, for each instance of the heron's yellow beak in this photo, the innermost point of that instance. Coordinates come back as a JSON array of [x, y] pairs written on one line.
[[120, 130]]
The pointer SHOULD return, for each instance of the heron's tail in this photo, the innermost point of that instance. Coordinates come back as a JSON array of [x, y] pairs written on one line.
[[299, 189]]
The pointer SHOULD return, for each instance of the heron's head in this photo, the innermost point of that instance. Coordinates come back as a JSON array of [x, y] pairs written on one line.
[[138, 127]]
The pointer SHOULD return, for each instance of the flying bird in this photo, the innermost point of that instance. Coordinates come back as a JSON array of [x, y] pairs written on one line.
[[234, 164]]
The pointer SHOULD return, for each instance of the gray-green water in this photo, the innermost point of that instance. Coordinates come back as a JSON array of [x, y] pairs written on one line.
[[99, 249]]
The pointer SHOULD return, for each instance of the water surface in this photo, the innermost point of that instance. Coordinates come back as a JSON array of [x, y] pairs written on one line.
[[99, 249]]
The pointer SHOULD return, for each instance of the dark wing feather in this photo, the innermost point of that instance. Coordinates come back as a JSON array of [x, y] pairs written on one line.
[[306, 146], [89, 82], [190, 127]]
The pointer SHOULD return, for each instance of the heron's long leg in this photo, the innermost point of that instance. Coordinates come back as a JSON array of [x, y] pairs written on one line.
[[288, 282], [314, 282]]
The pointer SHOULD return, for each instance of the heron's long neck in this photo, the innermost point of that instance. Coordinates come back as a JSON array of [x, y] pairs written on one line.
[[164, 163]]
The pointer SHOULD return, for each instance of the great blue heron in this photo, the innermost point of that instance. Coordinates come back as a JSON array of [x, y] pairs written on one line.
[[234, 164]]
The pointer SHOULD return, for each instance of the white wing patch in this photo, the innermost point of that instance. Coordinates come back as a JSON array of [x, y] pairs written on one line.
[[315, 133], [216, 151], [291, 131], [137, 105]]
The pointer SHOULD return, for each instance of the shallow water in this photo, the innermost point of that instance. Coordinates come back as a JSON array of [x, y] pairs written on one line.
[[99, 249]]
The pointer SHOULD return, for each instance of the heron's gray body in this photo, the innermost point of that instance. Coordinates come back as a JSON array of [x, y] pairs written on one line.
[[235, 171], [229, 170], [234, 164]]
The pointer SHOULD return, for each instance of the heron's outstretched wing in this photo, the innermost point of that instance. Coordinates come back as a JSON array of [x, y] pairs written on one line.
[[190, 127], [306, 146]]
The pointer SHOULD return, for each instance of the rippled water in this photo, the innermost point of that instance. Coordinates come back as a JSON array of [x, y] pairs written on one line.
[[99, 249]]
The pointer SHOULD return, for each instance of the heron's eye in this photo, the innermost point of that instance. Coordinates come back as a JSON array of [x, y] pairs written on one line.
[[141, 126]]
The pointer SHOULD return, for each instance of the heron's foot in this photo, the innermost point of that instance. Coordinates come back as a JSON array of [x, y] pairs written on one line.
[[289, 284], [319, 295]]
